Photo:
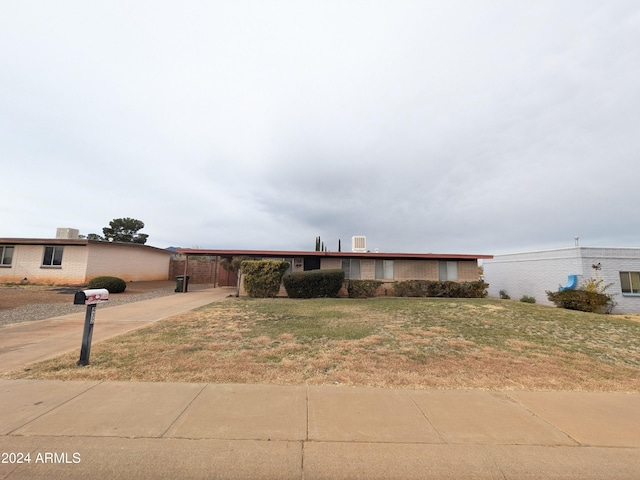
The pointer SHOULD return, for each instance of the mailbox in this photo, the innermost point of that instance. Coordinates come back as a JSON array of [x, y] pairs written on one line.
[[91, 297]]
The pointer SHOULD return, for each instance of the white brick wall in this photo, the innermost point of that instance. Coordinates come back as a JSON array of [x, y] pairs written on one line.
[[81, 263], [531, 273], [27, 263], [613, 261], [131, 263], [534, 273]]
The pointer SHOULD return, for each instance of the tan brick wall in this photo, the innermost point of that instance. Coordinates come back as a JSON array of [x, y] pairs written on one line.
[[201, 270], [27, 263], [330, 264], [468, 271], [409, 269], [367, 269], [415, 270], [131, 263]]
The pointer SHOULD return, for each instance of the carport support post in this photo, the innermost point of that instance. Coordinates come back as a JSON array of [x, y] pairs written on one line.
[[186, 268], [85, 350]]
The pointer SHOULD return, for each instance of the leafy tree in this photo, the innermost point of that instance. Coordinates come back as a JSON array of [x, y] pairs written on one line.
[[122, 230]]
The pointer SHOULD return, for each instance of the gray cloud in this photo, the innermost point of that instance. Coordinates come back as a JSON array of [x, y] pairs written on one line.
[[474, 127]]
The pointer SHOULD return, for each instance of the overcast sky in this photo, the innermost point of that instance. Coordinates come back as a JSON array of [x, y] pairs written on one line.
[[428, 126]]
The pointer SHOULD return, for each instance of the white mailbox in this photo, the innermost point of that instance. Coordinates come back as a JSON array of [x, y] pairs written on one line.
[[91, 297]]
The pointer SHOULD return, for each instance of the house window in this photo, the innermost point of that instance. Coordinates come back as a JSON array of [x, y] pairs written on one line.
[[52, 256], [384, 269], [351, 269], [630, 282], [6, 256], [448, 271]]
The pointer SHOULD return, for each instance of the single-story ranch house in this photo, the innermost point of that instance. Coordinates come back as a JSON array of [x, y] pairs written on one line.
[[386, 267], [75, 261], [533, 273]]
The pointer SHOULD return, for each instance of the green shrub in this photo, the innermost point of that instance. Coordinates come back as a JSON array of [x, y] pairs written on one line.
[[528, 299], [504, 295], [262, 278], [582, 300], [314, 283], [113, 284], [362, 288], [434, 288], [592, 297]]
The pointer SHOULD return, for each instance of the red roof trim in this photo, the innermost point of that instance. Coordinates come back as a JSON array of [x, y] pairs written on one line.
[[292, 253]]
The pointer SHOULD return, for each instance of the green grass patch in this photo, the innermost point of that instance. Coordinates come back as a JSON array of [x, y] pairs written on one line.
[[308, 320]]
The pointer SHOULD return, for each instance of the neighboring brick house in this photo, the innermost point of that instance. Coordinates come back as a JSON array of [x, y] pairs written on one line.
[[75, 261], [386, 267], [534, 273]]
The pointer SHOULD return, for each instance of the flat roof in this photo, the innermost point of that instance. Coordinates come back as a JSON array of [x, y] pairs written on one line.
[[80, 242], [44, 241], [297, 253]]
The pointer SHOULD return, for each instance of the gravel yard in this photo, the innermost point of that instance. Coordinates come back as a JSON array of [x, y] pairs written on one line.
[[24, 303]]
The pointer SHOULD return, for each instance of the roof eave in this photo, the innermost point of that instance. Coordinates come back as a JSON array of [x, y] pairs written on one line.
[[297, 253]]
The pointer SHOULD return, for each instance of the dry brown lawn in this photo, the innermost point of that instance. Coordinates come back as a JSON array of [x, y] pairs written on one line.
[[384, 342]]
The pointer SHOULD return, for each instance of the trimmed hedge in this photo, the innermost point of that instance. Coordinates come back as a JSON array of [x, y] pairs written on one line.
[[262, 278], [446, 289], [582, 300], [314, 283], [113, 284], [362, 288]]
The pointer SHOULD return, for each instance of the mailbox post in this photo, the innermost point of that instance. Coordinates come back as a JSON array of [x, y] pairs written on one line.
[[90, 298]]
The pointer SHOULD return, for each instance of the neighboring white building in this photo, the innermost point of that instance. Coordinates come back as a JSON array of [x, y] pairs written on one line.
[[533, 273]]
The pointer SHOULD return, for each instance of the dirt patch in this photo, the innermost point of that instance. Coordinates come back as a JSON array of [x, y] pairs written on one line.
[[14, 296]]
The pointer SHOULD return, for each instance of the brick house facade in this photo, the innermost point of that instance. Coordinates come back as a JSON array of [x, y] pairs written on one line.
[[386, 267]]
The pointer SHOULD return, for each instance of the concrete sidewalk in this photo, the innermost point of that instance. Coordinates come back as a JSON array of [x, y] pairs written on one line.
[[172, 430], [112, 430]]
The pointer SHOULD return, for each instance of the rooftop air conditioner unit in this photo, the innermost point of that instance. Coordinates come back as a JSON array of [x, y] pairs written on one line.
[[359, 244], [68, 233]]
